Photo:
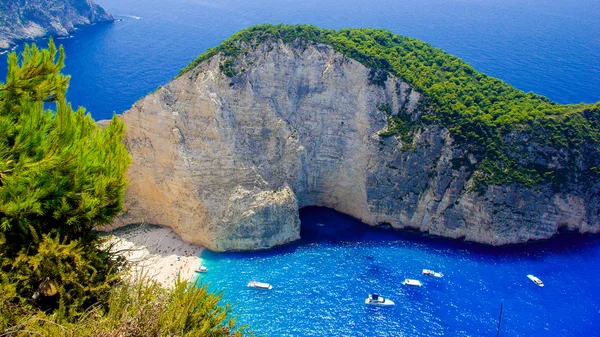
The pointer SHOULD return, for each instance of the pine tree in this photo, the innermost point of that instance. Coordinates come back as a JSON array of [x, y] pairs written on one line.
[[60, 173]]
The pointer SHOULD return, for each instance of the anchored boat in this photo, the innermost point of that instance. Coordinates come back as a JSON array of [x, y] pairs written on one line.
[[259, 285], [202, 269], [535, 280], [377, 300], [432, 273], [411, 282]]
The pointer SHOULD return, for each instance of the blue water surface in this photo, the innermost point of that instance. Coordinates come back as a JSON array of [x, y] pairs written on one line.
[[551, 47], [320, 284]]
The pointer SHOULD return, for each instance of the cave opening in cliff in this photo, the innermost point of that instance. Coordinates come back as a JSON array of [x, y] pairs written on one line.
[[321, 224]]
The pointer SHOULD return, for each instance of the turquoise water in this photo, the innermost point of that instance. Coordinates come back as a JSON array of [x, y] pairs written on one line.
[[320, 284]]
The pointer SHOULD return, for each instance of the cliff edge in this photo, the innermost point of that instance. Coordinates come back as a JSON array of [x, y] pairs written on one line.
[[27, 20], [229, 151]]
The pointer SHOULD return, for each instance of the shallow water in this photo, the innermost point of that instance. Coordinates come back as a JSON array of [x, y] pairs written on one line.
[[321, 282]]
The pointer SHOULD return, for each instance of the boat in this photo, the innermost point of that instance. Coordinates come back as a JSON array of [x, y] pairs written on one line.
[[202, 269], [377, 300], [432, 273], [535, 280], [259, 285], [411, 282]]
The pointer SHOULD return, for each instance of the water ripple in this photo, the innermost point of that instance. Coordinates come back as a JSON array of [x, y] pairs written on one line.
[[319, 285]]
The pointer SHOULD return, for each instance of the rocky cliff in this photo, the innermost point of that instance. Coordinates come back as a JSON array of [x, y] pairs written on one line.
[[26, 20], [227, 161]]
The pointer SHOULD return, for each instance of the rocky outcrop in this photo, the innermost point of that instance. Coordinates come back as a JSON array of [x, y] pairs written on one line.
[[227, 162], [26, 20]]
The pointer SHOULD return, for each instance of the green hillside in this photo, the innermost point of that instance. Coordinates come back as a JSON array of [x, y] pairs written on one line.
[[489, 117]]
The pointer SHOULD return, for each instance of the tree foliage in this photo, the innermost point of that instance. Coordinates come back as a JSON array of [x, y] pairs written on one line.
[[142, 309], [66, 276], [481, 112], [60, 175], [59, 172]]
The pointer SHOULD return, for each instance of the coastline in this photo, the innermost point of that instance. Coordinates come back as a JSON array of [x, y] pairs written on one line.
[[14, 43], [157, 252]]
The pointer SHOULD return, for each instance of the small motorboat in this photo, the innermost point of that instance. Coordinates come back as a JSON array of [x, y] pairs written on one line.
[[535, 280], [411, 282], [432, 273], [377, 300], [202, 269], [259, 285]]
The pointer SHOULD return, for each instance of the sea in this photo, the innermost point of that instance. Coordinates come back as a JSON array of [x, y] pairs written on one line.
[[550, 47], [321, 282]]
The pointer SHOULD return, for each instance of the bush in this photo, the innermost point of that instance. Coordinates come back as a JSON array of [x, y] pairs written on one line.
[[142, 308], [66, 276]]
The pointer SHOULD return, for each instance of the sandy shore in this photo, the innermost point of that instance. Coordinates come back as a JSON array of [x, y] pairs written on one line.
[[158, 252]]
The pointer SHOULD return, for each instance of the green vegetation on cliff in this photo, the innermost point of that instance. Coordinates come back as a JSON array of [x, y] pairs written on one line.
[[491, 119], [61, 175]]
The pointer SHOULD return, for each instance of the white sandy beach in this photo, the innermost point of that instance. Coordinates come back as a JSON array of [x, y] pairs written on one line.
[[158, 252]]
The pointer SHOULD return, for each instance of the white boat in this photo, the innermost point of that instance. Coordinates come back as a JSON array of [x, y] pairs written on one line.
[[202, 269], [411, 282], [259, 285], [377, 300], [535, 280], [432, 273]]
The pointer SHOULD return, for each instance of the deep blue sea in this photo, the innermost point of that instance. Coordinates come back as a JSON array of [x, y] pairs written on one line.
[[551, 47], [320, 284]]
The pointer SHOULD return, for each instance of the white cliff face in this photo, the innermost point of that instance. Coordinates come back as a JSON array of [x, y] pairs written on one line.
[[227, 162]]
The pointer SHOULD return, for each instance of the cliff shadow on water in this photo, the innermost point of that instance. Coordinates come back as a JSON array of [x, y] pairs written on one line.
[[325, 226]]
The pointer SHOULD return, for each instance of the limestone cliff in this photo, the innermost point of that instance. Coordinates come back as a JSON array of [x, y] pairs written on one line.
[[26, 20], [227, 162]]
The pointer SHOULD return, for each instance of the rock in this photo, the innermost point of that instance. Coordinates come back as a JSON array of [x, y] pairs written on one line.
[[226, 162], [258, 220], [27, 20]]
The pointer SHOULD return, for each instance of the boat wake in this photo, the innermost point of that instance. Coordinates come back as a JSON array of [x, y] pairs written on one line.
[[131, 17]]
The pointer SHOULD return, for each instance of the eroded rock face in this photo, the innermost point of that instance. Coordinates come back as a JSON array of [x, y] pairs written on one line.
[[26, 20], [227, 162]]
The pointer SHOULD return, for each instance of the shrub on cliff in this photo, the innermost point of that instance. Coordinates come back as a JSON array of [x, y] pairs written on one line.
[[489, 117]]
